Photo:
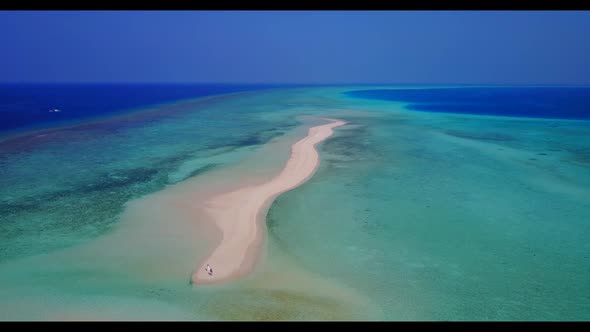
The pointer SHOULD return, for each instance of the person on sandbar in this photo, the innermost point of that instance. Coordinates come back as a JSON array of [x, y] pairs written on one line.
[[209, 270]]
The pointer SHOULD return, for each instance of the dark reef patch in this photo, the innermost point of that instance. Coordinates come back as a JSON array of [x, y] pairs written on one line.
[[497, 137], [581, 156], [86, 209], [10, 208], [202, 170], [120, 179], [253, 139], [348, 143]]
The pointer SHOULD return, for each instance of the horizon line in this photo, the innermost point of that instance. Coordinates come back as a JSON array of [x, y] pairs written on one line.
[[280, 83]]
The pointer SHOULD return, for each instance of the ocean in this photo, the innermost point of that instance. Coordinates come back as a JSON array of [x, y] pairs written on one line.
[[563, 102], [432, 203], [28, 106]]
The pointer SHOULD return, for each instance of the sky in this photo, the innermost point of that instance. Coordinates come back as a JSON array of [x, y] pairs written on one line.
[[310, 47]]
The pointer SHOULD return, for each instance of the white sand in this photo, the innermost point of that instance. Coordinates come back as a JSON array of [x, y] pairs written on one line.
[[239, 214]]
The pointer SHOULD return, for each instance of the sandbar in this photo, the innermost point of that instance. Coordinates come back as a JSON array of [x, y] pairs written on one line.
[[241, 213]]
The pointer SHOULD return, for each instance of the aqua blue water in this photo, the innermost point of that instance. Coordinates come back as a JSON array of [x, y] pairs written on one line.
[[426, 215]]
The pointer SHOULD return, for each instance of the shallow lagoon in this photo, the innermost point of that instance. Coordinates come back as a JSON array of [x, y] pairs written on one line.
[[411, 216]]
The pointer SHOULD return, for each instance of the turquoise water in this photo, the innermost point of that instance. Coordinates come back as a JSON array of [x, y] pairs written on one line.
[[411, 215], [75, 181]]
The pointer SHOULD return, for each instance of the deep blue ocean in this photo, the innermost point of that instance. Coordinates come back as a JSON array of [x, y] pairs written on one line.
[[532, 102], [27, 106]]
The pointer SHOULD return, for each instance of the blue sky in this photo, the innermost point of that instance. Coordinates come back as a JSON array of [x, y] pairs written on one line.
[[486, 47]]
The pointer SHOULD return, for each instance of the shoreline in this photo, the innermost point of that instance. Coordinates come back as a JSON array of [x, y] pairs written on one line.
[[240, 215]]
